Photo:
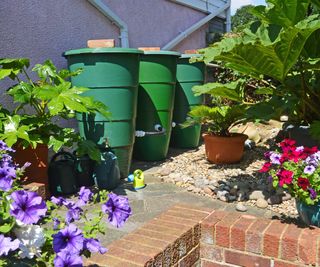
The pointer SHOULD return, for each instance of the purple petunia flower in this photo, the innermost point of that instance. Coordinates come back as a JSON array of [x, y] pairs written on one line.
[[7, 172], [6, 245], [85, 195], [4, 147], [67, 259], [59, 201], [309, 169], [118, 209], [313, 193], [275, 158], [5, 183], [300, 149], [27, 207], [69, 239], [93, 245], [73, 214], [74, 211], [56, 223], [313, 159]]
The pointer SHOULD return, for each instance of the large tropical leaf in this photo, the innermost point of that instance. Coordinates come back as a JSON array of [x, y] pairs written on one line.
[[274, 60], [286, 13], [230, 90]]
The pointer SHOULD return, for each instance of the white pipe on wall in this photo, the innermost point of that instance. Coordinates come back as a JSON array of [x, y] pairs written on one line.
[[195, 27], [106, 11]]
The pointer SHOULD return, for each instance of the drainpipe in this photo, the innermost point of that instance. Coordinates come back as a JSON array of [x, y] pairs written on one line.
[[228, 19], [183, 35], [106, 11]]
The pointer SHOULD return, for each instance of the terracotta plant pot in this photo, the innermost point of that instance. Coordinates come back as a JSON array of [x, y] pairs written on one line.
[[224, 149], [38, 157]]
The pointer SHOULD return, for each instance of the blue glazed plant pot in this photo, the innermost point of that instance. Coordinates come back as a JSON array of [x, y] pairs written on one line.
[[309, 214]]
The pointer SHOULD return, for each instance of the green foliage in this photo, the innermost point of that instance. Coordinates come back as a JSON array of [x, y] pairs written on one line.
[[50, 98], [242, 17], [282, 51], [218, 119]]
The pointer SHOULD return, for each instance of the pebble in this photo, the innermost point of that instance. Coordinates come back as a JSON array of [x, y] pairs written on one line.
[[286, 197], [224, 198], [165, 172], [241, 207], [191, 188], [190, 170], [222, 193], [233, 191], [257, 194], [232, 198], [208, 190], [275, 199], [262, 203]]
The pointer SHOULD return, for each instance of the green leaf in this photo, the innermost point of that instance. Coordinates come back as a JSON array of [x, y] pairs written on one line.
[[22, 92], [315, 129], [14, 131], [230, 90], [88, 147], [6, 227], [14, 65], [4, 73], [264, 91], [282, 12], [45, 70], [55, 143]]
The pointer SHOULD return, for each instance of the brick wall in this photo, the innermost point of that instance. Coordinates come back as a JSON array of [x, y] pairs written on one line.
[[233, 239], [187, 236]]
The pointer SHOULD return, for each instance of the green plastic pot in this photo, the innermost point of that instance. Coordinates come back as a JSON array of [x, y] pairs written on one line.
[[157, 80], [188, 75], [112, 75]]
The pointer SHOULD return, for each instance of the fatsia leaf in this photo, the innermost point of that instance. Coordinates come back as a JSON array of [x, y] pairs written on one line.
[[21, 93], [45, 70], [14, 131], [4, 73], [14, 65]]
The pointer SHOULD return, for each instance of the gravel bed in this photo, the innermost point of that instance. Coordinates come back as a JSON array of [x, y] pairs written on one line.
[[240, 183]]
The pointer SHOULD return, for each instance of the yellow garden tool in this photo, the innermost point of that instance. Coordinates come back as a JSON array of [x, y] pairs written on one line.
[[138, 179]]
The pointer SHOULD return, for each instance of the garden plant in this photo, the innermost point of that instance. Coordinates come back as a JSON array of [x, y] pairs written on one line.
[[38, 233], [42, 104], [280, 50], [297, 170]]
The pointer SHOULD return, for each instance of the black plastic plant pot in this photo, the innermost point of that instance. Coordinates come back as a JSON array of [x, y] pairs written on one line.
[[84, 171], [62, 174]]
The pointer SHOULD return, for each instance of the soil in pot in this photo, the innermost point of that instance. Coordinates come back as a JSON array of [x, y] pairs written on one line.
[[224, 149]]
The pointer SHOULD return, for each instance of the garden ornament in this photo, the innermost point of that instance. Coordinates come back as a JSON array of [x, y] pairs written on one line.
[[138, 179]]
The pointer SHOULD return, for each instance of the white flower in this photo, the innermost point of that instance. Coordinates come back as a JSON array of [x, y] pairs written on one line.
[[31, 239]]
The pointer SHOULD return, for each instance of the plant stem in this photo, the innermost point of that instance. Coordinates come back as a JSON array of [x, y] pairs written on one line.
[[29, 79]]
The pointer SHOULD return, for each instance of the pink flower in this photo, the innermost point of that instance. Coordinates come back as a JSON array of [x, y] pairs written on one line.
[[265, 167], [285, 177], [303, 183]]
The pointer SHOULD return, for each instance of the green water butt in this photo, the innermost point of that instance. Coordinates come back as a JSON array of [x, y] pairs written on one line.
[[112, 74], [156, 93], [188, 76]]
